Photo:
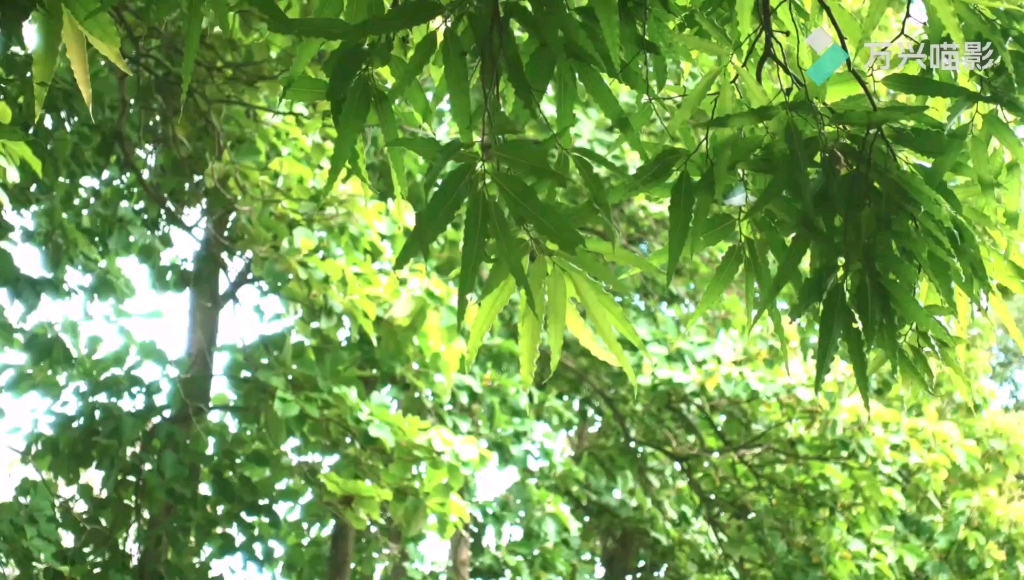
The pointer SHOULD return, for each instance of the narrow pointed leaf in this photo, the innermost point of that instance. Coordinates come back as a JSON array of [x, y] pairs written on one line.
[[456, 75], [586, 337], [433, 220], [193, 31], [549, 221], [832, 310], [724, 275], [49, 22], [531, 322], [599, 315], [349, 124], [74, 44], [474, 248], [556, 314], [421, 56], [507, 244], [680, 214], [490, 307]]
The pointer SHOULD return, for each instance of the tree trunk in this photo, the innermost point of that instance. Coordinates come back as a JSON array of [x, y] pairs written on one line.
[[460, 555], [343, 547], [190, 402], [620, 555]]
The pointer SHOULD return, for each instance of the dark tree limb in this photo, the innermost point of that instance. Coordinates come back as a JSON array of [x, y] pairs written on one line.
[[181, 435], [460, 551], [342, 550]]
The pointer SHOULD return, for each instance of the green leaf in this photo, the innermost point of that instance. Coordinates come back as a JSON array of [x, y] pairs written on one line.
[[744, 119], [602, 94], [306, 89], [858, 356], [566, 95], [307, 50], [744, 14], [1005, 135], [832, 309], [456, 75], [947, 15], [531, 323], [703, 45], [693, 99], [516, 71], [1005, 316], [556, 314], [620, 255], [433, 220], [928, 87], [490, 307], [526, 157], [724, 275], [349, 123], [615, 314], [195, 11], [474, 248], [680, 214], [653, 173], [608, 17], [421, 56], [49, 22], [407, 14], [507, 250], [549, 221]]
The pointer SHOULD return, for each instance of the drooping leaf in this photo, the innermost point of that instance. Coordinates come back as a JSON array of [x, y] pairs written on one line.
[[196, 10], [490, 307], [680, 214], [474, 248], [507, 251], [549, 221], [74, 45], [724, 275], [404, 15], [439, 212], [599, 315], [531, 322], [556, 314], [456, 75], [693, 99], [830, 327], [49, 21], [349, 124], [857, 350], [607, 12], [99, 29], [421, 55], [1005, 316], [587, 339]]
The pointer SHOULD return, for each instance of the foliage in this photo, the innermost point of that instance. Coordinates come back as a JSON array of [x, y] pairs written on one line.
[[440, 192]]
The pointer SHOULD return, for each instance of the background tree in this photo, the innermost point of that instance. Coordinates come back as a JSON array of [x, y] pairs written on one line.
[[398, 174]]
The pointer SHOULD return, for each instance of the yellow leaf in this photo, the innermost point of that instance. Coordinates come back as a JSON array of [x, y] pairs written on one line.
[[112, 53], [588, 340], [74, 44], [1004, 315]]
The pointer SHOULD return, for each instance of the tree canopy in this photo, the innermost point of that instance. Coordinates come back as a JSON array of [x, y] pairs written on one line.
[[721, 321]]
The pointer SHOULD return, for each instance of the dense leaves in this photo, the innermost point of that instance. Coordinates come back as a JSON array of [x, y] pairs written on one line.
[[533, 236]]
